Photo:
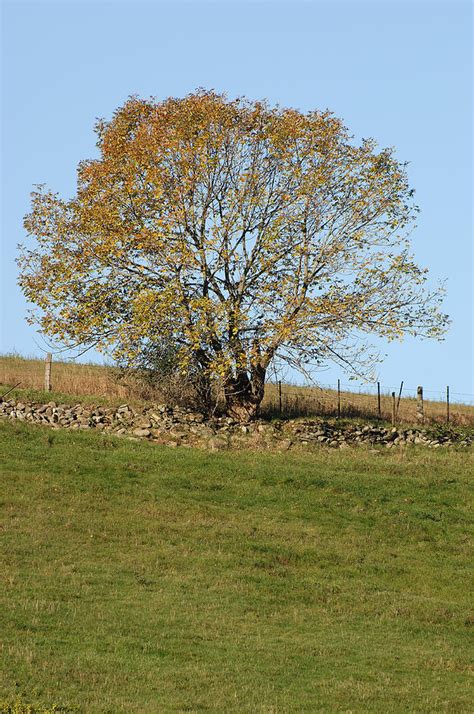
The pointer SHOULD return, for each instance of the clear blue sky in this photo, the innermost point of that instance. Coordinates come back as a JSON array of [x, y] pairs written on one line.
[[398, 71]]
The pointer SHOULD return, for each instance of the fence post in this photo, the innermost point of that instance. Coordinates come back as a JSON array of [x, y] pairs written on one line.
[[379, 410], [338, 398], [394, 413], [447, 405], [47, 372], [279, 397], [419, 409], [399, 396]]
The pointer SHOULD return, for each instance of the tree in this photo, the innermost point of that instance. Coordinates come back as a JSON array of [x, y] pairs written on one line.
[[246, 234]]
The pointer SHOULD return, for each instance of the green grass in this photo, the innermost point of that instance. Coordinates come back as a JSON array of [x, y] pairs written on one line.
[[138, 578]]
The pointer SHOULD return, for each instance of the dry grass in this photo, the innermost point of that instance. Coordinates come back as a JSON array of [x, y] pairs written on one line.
[[67, 377], [99, 382]]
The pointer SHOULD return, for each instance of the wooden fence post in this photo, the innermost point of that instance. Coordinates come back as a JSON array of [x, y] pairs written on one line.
[[394, 412], [379, 410], [399, 396], [279, 397], [338, 398], [47, 372], [447, 405], [420, 415]]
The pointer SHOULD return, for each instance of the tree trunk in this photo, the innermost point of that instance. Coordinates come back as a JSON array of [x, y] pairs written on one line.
[[244, 393]]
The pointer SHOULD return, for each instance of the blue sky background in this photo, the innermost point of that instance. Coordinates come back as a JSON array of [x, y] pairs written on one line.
[[397, 71]]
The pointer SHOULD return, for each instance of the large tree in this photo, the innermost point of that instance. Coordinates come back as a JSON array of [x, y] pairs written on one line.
[[245, 234]]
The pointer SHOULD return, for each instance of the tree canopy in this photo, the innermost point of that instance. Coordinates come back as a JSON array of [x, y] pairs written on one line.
[[246, 234]]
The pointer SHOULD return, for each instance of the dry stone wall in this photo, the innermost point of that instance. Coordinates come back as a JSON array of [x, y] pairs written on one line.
[[181, 427]]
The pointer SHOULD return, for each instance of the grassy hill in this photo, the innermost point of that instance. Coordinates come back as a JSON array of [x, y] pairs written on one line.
[[138, 578]]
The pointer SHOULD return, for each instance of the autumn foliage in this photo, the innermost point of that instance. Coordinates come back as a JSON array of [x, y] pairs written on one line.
[[245, 235]]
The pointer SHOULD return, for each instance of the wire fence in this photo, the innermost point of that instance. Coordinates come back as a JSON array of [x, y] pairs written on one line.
[[396, 403]]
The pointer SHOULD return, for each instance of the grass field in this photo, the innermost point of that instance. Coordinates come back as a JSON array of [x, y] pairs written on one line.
[[138, 578], [95, 382]]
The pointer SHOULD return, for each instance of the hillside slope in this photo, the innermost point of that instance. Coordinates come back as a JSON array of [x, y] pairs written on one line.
[[139, 578]]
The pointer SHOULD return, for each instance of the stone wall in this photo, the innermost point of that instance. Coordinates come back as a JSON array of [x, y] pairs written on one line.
[[181, 427]]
